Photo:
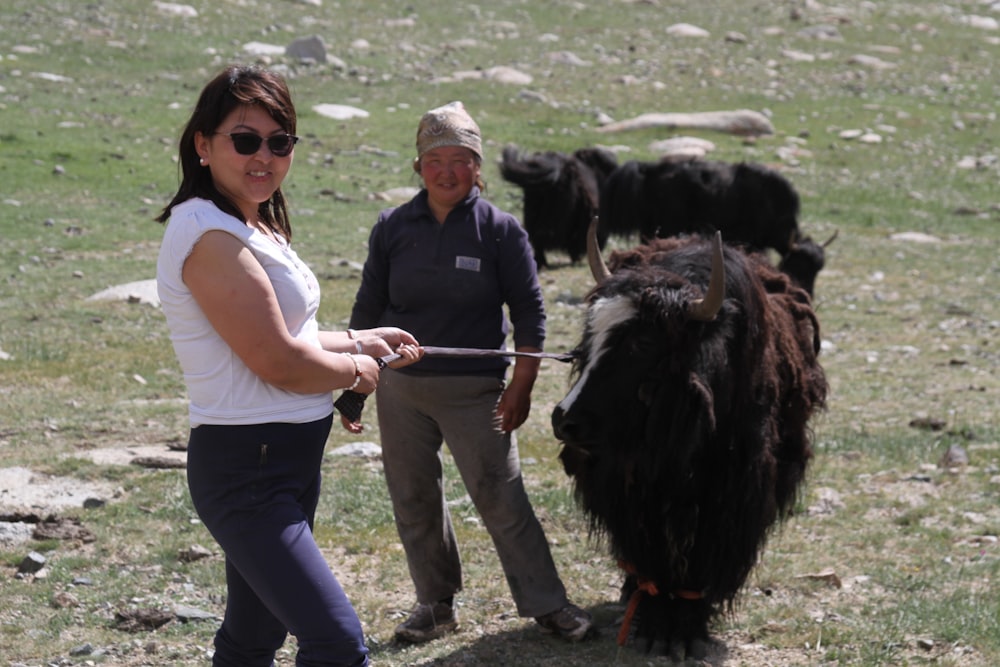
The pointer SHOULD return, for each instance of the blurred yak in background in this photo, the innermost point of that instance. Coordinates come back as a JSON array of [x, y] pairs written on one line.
[[751, 204], [686, 429], [561, 195]]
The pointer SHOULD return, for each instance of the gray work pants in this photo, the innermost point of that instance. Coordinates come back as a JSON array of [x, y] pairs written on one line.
[[416, 414]]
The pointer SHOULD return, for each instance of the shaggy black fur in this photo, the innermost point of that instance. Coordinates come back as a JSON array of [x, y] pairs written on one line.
[[751, 204], [561, 195], [689, 440]]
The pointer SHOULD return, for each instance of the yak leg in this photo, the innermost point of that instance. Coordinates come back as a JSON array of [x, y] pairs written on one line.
[[673, 626], [540, 260]]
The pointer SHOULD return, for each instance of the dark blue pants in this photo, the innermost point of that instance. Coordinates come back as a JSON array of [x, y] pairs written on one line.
[[256, 489]]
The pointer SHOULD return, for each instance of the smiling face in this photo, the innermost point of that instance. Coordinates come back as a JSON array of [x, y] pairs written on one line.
[[246, 180], [449, 173]]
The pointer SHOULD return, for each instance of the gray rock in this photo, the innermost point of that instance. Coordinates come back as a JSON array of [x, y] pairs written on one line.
[[15, 532], [83, 649], [186, 614], [32, 563], [140, 291], [307, 49], [954, 457], [358, 449]]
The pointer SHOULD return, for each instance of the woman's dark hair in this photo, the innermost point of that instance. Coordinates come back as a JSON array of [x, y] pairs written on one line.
[[235, 86]]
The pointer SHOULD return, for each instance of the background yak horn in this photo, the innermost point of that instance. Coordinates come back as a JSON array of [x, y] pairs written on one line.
[[705, 310], [597, 266], [830, 240]]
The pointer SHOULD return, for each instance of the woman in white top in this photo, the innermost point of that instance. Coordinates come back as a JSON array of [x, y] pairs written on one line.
[[241, 309]]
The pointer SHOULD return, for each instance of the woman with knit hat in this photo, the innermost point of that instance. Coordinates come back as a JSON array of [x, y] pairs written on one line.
[[443, 266]]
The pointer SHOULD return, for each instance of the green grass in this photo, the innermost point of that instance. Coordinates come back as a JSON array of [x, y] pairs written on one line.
[[910, 329]]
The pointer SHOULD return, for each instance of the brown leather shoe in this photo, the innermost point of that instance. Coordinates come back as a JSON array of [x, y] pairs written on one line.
[[570, 622], [427, 622]]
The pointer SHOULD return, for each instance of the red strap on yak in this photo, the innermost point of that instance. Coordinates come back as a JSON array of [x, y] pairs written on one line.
[[644, 586], [647, 586]]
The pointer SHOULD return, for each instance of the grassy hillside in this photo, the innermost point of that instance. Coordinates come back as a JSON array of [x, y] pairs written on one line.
[[890, 559]]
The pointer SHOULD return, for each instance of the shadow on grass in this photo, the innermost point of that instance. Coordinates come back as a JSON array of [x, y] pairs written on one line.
[[527, 646]]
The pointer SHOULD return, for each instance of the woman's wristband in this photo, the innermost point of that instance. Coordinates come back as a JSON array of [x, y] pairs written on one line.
[[353, 335], [357, 372]]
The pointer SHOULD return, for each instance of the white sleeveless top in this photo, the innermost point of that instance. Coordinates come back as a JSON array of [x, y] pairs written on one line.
[[221, 389]]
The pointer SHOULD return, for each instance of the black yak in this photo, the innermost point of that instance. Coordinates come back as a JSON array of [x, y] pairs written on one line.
[[804, 260], [751, 204], [686, 429], [561, 195]]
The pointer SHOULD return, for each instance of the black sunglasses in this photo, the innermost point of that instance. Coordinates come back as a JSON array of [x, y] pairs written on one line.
[[248, 143]]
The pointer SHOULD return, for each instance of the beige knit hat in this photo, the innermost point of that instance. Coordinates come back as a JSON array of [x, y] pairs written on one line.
[[448, 125]]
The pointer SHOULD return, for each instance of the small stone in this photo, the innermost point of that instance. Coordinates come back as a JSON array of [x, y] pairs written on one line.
[[362, 450], [185, 614], [307, 49], [83, 649], [64, 600], [954, 457], [686, 30], [32, 563], [194, 553]]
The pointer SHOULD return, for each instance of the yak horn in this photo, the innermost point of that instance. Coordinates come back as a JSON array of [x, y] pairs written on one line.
[[597, 266], [830, 240], [705, 310]]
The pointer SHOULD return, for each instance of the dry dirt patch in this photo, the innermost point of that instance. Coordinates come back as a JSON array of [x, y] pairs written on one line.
[[25, 492]]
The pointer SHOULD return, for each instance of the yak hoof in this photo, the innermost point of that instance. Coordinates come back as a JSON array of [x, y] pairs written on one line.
[[698, 649], [650, 646], [680, 651], [677, 651]]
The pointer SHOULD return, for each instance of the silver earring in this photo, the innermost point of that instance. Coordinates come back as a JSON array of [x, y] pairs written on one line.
[[202, 162]]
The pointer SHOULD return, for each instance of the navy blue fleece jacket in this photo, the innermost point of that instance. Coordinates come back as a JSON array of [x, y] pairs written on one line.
[[447, 284]]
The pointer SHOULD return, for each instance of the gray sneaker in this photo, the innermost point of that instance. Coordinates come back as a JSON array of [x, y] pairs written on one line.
[[570, 622], [427, 622]]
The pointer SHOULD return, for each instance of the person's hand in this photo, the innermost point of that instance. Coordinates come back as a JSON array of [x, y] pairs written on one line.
[[369, 373], [367, 382], [515, 402], [383, 341], [394, 336], [408, 354], [513, 407], [351, 427]]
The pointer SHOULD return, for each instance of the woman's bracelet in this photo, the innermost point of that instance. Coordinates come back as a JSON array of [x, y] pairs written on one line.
[[357, 372]]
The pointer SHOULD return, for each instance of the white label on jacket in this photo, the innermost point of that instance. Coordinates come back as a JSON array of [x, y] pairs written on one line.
[[467, 263]]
